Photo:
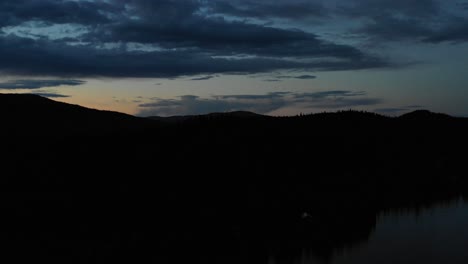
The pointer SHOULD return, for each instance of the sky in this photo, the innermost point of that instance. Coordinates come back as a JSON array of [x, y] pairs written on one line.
[[283, 57]]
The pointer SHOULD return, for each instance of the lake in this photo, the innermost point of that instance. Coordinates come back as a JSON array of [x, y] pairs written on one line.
[[435, 235]]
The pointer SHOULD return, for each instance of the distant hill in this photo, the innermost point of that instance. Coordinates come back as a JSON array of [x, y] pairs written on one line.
[[22, 113], [420, 115], [30, 109], [178, 119]]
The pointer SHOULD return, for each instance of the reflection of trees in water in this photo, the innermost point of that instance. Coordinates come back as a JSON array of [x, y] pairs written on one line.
[[406, 235], [332, 237]]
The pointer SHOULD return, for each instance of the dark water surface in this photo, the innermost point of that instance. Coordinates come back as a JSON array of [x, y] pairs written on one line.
[[435, 235]]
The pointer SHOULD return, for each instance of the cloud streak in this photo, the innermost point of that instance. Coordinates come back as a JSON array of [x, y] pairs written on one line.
[[291, 9], [204, 78], [258, 103], [37, 84], [83, 61], [53, 11], [300, 77], [407, 20], [51, 95], [398, 110]]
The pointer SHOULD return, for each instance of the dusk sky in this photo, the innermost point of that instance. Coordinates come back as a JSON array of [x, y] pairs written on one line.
[[283, 57]]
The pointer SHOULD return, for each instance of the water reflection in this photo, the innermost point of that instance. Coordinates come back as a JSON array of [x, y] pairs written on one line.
[[435, 235]]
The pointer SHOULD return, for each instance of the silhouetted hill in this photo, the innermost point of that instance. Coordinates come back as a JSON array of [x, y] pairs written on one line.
[[421, 115], [27, 113], [86, 186], [180, 119]]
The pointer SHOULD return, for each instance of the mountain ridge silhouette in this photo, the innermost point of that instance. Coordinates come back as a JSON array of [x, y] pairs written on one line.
[[23, 112], [86, 186], [32, 106]]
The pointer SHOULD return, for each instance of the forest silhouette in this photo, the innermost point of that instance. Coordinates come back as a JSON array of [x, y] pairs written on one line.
[[85, 186]]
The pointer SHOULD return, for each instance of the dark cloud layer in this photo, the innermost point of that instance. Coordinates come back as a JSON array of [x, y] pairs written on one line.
[[176, 38], [301, 77], [21, 56], [167, 38], [258, 103], [456, 31], [51, 95], [374, 8], [291, 9], [37, 84], [283, 77], [416, 20], [203, 78], [397, 110], [380, 20], [53, 11]]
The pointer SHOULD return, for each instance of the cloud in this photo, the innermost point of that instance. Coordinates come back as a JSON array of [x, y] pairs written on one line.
[[345, 103], [393, 28], [51, 95], [414, 106], [327, 94], [203, 78], [375, 20], [139, 38], [302, 77], [336, 99], [258, 103], [291, 9], [398, 110], [273, 95], [37, 84], [167, 38], [305, 77], [192, 105], [402, 20], [392, 20], [374, 8], [53, 11], [221, 37], [456, 31], [21, 56], [390, 110], [282, 77]]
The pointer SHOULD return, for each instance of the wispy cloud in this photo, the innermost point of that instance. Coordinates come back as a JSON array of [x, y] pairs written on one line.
[[301, 77], [37, 84], [280, 78], [202, 78], [398, 110], [51, 95], [258, 103]]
